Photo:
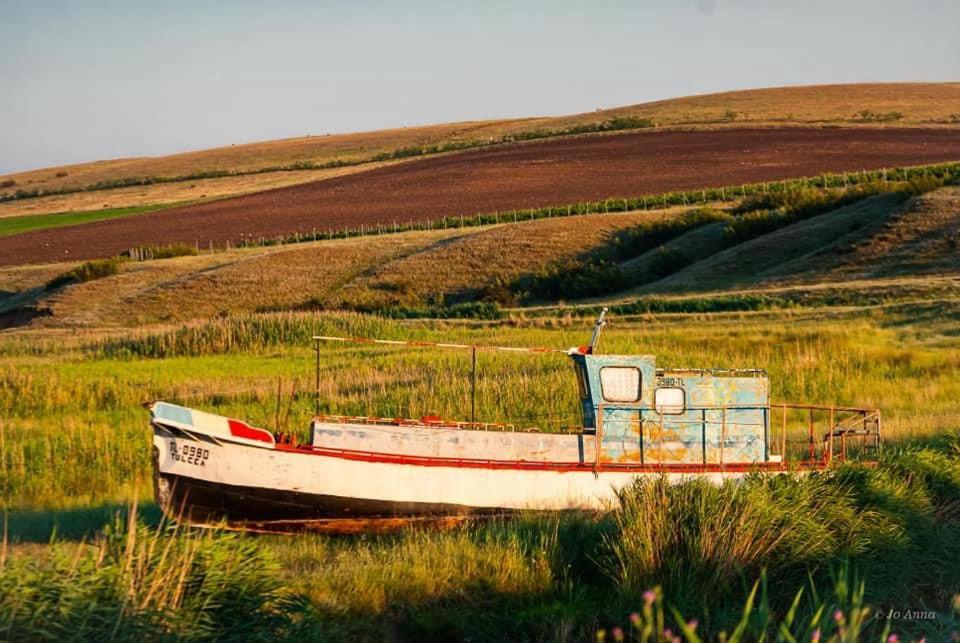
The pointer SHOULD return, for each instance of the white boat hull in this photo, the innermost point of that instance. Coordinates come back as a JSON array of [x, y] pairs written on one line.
[[240, 482]]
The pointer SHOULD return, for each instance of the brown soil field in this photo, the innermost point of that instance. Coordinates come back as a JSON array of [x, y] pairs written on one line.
[[917, 103], [552, 172]]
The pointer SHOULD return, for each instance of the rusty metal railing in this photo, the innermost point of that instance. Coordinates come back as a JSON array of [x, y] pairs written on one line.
[[830, 430], [843, 424]]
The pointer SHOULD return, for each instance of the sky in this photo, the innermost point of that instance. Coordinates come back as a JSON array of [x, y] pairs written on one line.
[[90, 80]]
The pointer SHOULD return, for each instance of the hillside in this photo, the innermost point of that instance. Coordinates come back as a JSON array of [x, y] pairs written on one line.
[[900, 104], [554, 173], [876, 238], [879, 248], [920, 238], [752, 261], [371, 272]]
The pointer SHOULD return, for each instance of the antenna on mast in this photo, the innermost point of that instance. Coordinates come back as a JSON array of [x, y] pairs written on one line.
[[597, 329]]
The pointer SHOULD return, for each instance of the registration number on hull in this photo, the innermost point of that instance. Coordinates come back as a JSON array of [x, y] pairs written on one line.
[[189, 454]]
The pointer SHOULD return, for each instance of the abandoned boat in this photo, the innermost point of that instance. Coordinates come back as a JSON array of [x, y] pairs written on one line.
[[637, 420]]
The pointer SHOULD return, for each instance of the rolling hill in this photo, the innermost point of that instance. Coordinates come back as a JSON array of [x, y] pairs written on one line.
[[539, 174], [880, 105], [878, 244], [879, 248]]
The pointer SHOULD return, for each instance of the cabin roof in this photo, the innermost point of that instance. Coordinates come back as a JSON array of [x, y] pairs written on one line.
[[720, 372]]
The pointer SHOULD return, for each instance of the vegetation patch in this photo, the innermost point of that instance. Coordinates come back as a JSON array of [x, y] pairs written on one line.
[[143, 583], [235, 334], [720, 303], [151, 251], [87, 271], [870, 116], [464, 310], [26, 223]]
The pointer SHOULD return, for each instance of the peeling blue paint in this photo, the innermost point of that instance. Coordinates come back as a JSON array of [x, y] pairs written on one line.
[[724, 418]]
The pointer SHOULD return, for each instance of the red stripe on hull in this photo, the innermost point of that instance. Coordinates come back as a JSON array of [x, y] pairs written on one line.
[[618, 467]]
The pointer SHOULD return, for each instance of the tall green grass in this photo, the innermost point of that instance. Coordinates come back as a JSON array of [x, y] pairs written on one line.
[[774, 557], [237, 334], [141, 583]]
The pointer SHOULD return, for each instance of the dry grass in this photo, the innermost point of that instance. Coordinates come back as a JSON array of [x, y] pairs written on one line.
[[403, 268], [241, 280], [159, 193], [921, 238], [20, 278], [920, 103], [748, 262], [463, 266]]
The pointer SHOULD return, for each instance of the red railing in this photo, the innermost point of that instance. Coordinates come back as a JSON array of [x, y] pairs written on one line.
[[830, 430]]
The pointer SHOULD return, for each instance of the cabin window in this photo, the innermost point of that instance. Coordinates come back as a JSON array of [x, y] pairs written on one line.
[[620, 383], [670, 400]]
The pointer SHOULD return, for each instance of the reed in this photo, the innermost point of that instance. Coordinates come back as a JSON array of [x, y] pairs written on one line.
[[834, 553], [134, 582]]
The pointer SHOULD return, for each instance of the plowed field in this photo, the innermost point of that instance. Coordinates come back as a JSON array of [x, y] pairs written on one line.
[[538, 174]]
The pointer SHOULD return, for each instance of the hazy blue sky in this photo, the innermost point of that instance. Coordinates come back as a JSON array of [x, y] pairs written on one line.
[[91, 80]]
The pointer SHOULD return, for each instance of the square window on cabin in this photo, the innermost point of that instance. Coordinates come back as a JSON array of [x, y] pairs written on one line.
[[620, 383], [670, 401]]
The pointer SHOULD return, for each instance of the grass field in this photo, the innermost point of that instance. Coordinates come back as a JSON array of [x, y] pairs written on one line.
[[847, 299], [877, 105], [75, 448]]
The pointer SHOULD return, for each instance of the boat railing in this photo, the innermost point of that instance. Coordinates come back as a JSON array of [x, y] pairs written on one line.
[[808, 434], [831, 432]]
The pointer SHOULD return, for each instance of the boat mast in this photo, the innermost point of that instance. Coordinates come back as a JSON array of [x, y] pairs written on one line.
[[597, 329]]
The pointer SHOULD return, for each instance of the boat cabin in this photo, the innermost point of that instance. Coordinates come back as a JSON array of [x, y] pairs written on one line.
[[642, 414]]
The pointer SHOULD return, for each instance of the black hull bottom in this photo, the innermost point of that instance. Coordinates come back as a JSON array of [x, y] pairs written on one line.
[[252, 508]]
